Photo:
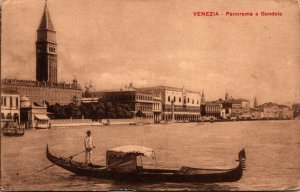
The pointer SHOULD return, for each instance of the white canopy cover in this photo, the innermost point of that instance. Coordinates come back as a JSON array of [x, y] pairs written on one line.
[[133, 149], [41, 116]]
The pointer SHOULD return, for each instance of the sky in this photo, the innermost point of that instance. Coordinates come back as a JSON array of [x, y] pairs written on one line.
[[111, 43]]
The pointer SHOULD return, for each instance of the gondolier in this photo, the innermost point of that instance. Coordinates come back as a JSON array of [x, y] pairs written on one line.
[[89, 145]]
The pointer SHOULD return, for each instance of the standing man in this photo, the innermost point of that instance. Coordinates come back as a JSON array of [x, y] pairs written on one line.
[[89, 145]]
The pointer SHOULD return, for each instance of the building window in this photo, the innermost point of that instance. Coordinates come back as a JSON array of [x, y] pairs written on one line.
[[188, 100], [52, 49], [174, 99], [4, 101], [169, 99], [193, 101], [17, 102], [179, 99], [10, 101]]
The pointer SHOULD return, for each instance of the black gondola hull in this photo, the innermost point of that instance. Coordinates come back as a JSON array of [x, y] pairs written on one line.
[[148, 175]]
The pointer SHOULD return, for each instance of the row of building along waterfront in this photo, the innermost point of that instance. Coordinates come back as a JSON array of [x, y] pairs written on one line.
[[157, 103], [27, 100]]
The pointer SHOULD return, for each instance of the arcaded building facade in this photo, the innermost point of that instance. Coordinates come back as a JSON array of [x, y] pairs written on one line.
[[137, 100], [10, 105], [186, 103]]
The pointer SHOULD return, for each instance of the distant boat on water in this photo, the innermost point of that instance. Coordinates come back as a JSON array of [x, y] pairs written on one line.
[[12, 128]]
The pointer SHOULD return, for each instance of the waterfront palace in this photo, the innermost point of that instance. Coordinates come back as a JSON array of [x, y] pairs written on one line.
[[158, 102], [177, 103], [45, 88]]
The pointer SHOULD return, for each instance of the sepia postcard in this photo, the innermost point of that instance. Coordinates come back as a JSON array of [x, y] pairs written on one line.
[[148, 95]]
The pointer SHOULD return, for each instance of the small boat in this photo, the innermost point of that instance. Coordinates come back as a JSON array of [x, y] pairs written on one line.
[[12, 128], [139, 123], [42, 126], [164, 122], [121, 164]]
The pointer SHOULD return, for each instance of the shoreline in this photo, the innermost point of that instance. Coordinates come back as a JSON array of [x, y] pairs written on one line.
[[130, 122]]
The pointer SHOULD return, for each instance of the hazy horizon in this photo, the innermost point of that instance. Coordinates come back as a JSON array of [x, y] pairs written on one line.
[[112, 43]]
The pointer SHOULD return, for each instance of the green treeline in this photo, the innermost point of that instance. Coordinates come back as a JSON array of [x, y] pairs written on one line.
[[94, 111]]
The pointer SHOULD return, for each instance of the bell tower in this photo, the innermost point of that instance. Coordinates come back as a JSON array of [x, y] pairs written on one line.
[[46, 57]]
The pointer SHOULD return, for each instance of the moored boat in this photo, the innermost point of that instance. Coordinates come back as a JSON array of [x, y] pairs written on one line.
[[12, 128], [121, 164]]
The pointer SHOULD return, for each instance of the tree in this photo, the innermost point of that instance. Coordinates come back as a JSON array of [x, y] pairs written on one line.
[[94, 111], [58, 111], [139, 114]]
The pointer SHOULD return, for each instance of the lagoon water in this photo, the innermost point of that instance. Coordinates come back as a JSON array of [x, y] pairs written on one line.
[[272, 151]]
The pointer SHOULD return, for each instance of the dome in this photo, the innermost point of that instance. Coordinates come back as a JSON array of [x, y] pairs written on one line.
[[24, 102], [89, 92], [75, 84]]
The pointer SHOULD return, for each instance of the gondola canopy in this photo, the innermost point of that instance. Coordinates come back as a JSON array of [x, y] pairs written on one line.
[[132, 149], [124, 158]]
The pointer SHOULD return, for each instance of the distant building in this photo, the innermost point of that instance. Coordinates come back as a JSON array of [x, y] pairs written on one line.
[[10, 105], [51, 93], [139, 101], [239, 107], [213, 108], [46, 88], [256, 113], [220, 109], [157, 107], [186, 102], [296, 110], [275, 111], [227, 108], [89, 95], [34, 115]]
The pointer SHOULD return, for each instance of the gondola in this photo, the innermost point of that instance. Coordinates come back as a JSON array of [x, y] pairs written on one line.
[[121, 165], [13, 132]]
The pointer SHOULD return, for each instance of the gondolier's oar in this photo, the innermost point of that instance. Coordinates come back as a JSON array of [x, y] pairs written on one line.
[[71, 156]]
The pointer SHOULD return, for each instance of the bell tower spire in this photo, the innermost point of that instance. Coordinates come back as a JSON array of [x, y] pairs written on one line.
[[255, 103], [46, 22], [46, 57], [202, 97]]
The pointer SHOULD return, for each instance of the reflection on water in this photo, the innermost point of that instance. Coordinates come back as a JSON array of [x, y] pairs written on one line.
[[272, 149]]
